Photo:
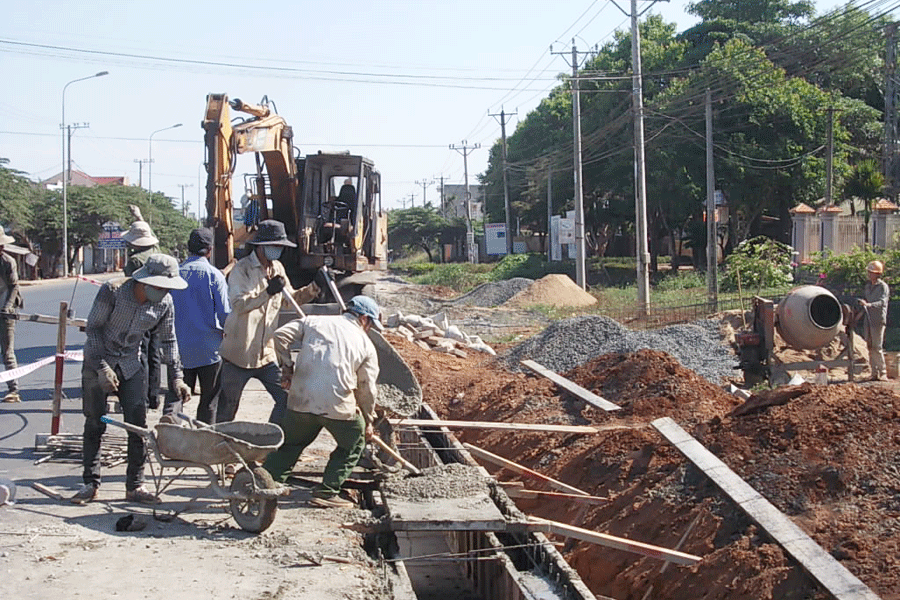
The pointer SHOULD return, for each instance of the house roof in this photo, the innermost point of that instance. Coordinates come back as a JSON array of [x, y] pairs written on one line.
[[885, 204]]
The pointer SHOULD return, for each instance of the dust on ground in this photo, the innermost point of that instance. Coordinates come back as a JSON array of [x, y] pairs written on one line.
[[829, 459]]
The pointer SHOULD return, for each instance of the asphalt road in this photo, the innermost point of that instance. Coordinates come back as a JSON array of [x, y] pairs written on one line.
[[19, 423]]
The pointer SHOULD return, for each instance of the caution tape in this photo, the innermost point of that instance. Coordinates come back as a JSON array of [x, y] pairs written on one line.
[[26, 369], [89, 280]]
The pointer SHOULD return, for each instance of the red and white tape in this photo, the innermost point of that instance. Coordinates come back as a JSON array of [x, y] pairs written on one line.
[[26, 369], [89, 280]]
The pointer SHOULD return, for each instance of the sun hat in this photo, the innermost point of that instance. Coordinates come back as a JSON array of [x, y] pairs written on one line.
[[160, 270], [140, 234], [200, 240], [365, 306], [271, 233], [6, 239]]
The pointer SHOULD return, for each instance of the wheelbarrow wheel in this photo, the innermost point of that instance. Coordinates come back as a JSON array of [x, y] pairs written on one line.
[[253, 514]]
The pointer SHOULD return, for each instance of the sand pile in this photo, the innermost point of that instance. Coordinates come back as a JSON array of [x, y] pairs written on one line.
[[552, 290]]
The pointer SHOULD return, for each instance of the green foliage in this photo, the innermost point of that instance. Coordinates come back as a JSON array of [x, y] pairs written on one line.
[[847, 272], [421, 228], [460, 277], [757, 263], [17, 195], [682, 280], [532, 266]]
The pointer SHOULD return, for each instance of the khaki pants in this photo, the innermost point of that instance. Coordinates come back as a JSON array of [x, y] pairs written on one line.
[[875, 343]]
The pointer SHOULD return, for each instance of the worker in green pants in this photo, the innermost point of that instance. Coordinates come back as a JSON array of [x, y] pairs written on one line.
[[331, 385]]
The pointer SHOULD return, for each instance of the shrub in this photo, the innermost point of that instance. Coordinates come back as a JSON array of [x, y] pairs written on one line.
[[758, 263]]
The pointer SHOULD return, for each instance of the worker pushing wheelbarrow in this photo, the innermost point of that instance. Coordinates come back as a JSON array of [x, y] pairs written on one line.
[[252, 495]]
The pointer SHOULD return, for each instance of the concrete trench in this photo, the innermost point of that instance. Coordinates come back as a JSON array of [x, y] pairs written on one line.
[[457, 564]]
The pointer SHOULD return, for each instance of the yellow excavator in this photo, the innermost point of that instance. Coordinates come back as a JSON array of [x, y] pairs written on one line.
[[330, 203]]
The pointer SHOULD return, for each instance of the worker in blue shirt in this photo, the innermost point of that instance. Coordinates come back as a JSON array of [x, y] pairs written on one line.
[[200, 312]]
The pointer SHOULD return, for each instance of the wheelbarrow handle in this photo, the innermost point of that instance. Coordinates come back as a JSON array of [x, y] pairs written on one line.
[[127, 426]]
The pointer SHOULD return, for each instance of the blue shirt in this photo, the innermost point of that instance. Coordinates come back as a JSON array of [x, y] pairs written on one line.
[[200, 311]]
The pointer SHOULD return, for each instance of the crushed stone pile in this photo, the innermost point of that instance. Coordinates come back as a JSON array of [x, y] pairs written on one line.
[[572, 342], [494, 293], [552, 290]]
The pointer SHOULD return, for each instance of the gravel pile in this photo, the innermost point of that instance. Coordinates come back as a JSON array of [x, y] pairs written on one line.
[[572, 342], [494, 293]]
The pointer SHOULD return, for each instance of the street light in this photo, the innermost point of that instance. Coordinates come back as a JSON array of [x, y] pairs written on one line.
[[65, 174], [150, 166]]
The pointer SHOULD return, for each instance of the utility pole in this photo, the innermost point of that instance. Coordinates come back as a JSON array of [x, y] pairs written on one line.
[[443, 204], [140, 162], [424, 183], [69, 133], [183, 205], [640, 175], [465, 149], [712, 262], [889, 161], [829, 156], [506, 208], [412, 201], [549, 207], [580, 277]]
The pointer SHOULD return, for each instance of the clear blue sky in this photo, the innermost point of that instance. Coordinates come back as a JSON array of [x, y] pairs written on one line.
[[395, 80]]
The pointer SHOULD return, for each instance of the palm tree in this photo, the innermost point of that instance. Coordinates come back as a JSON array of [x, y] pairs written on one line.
[[866, 183]]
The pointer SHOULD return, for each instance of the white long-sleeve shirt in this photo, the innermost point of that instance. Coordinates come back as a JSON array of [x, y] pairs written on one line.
[[336, 367]]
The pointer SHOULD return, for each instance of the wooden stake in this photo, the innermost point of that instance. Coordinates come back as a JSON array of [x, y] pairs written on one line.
[[46, 491], [618, 543], [543, 428], [517, 468], [60, 363], [572, 387], [517, 492]]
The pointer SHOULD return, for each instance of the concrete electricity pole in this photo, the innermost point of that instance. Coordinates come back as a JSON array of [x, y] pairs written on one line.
[[183, 205], [424, 183], [141, 162], [640, 175], [465, 149], [580, 275], [507, 211], [712, 262], [889, 161]]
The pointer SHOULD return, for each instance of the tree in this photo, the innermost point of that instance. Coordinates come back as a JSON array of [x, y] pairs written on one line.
[[865, 183], [17, 194], [422, 227]]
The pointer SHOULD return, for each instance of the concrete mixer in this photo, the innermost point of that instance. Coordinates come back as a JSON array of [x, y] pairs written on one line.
[[808, 318]]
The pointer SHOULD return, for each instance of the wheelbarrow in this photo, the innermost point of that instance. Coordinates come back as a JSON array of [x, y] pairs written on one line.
[[252, 495]]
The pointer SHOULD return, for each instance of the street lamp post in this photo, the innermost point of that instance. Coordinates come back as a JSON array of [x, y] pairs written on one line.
[[65, 175], [150, 166]]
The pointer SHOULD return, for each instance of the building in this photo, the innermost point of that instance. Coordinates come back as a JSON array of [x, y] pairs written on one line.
[[455, 201], [82, 179]]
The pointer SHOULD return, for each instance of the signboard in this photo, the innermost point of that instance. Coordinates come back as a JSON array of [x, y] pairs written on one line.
[[495, 238], [111, 237], [567, 231], [555, 250]]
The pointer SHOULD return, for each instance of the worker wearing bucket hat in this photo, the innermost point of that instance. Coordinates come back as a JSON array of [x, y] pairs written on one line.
[[255, 292], [875, 305], [10, 302], [123, 312]]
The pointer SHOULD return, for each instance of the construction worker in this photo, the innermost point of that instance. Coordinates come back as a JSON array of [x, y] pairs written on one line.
[[254, 289], [332, 387], [10, 302], [200, 313], [141, 243], [875, 305], [123, 312]]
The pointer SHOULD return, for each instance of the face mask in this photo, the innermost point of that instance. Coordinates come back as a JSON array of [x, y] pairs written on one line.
[[154, 294], [272, 252]]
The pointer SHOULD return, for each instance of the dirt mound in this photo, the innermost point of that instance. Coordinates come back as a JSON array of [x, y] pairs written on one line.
[[829, 459], [552, 290]]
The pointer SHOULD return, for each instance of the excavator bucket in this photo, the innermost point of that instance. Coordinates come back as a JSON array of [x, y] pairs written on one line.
[[398, 389]]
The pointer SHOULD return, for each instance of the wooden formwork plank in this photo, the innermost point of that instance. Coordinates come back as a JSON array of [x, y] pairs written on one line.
[[522, 470], [571, 387], [541, 427], [611, 541], [834, 577]]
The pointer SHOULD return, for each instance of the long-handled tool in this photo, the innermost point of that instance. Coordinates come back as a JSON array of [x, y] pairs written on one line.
[[396, 456], [294, 303], [333, 287]]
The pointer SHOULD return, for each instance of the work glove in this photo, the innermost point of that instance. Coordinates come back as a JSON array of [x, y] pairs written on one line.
[[109, 382], [275, 285], [182, 390]]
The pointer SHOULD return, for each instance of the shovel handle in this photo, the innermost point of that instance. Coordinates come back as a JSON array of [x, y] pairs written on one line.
[[126, 426], [294, 303], [396, 456]]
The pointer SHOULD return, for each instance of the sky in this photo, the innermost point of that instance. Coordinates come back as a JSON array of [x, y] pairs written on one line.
[[398, 81]]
